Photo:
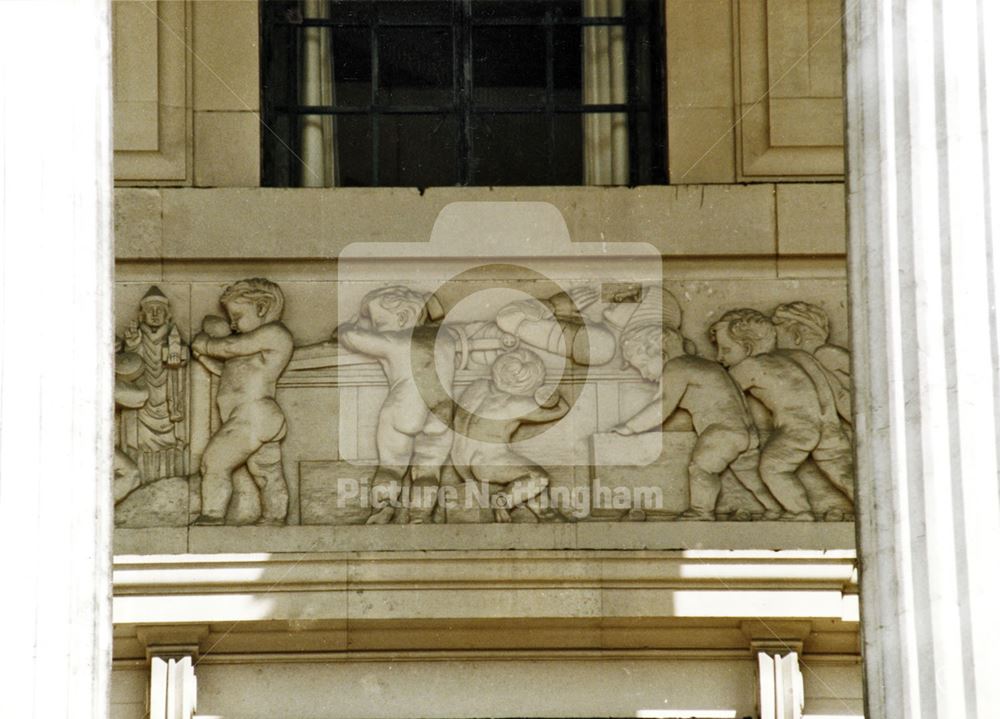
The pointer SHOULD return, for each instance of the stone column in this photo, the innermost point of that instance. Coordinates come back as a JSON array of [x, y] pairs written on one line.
[[55, 357], [923, 136]]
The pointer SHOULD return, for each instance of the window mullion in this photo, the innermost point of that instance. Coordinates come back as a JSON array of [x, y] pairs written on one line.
[[550, 117], [632, 101], [374, 125], [467, 153]]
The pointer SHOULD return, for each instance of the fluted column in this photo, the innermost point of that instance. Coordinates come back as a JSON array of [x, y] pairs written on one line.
[[55, 358], [923, 136]]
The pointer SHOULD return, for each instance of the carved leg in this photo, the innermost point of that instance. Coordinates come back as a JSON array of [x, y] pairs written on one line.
[[387, 486], [745, 469], [783, 453], [835, 458], [395, 449], [705, 488], [265, 468], [228, 449], [717, 448], [430, 452], [532, 490]]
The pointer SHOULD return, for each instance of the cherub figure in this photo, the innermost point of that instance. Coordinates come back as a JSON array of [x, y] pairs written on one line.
[[727, 437], [418, 357], [806, 327], [489, 413], [248, 360], [801, 404]]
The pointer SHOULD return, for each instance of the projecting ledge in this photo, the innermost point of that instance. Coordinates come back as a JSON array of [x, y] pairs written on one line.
[[768, 536]]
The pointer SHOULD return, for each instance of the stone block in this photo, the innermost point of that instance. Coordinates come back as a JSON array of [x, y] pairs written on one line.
[[644, 473], [333, 492], [811, 219], [242, 223], [702, 145], [226, 149], [138, 232], [693, 220], [163, 503], [226, 39], [699, 53]]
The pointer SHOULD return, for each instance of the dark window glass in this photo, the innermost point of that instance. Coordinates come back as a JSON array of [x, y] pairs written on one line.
[[461, 92]]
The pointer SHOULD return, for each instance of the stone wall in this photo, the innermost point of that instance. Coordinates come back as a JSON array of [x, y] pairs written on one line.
[[444, 618]]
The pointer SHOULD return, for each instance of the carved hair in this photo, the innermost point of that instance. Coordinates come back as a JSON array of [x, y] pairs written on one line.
[[397, 298], [749, 328], [650, 341], [263, 293], [809, 319], [520, 372]]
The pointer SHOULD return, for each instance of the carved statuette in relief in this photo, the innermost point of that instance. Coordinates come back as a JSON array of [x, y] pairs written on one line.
[[154, 434], [247, 354]]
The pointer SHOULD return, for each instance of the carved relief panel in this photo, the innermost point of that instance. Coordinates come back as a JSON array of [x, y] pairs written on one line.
[[496, 374]]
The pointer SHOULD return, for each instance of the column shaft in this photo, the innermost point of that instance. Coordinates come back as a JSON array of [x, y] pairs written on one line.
[[55, 357], [923, 131]]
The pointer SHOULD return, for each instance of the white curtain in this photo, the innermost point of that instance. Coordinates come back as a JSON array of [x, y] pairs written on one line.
[[605, 135], [318, 147]]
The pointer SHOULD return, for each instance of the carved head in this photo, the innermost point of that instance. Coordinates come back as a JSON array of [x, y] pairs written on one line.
[[252, 303], [647, 348], [154, 308], [742, 333], [801, 325], [520, 372], [395, 308]]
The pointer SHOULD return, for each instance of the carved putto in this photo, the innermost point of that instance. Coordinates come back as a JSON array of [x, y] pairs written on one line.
[[247, 355]]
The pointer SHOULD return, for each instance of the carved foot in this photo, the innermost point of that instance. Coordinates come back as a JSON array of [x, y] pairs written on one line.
[[550, 516], [798, 517], [634, 515], [402, 516], [382, 516], [501, 515], [270, 522], [203, 520], [836, 515], [772, 515], [696, 515], [742, 515], [422, 516]]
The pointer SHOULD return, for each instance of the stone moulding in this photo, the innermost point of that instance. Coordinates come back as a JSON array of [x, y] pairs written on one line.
[[358, 601]]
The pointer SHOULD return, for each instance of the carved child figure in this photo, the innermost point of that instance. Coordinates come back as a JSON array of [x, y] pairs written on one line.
[[727, 437], [418, 358], [249, 362], [803, 409], [489, 413], [806, 327]]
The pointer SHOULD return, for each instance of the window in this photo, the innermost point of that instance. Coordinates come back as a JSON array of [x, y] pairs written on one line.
[[462, 92]]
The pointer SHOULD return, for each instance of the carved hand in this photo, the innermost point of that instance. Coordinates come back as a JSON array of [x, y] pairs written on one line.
[[200, 343], [547, 396], [132, 335], [622, 429]]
